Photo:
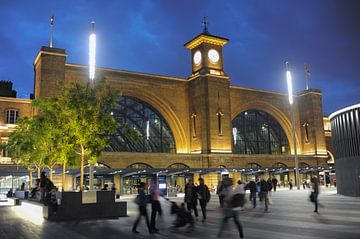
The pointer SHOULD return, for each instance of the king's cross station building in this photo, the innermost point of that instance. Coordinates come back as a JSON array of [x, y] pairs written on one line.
[[200, 126]]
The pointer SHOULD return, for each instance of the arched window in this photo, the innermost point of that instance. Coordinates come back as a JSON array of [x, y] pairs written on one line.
[[178, 165], [140, 128], [303, 165], [279, 165], [253, 165], [257, 132], [11, 116], [139, 166]]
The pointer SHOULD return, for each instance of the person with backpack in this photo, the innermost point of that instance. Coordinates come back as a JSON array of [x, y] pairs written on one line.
[[141, 200], [239, 195], [203, 193], [229, 211]]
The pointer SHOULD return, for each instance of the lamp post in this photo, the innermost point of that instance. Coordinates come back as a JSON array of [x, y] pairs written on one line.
[[290, 92], [92, 54]]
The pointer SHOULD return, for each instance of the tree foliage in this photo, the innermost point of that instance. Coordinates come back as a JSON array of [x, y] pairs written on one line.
[[70, 128]]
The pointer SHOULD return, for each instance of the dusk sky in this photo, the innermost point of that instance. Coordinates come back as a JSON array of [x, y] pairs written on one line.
[[148, 36]]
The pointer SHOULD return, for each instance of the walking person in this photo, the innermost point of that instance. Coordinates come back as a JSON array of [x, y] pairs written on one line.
[[264, 190], [239, 194], [269, 196], [315, 192], [228, 209], [274, 183], [252, 187], [141, 200], [155, 205], [204, 197], [220, 194], [191, 197], [290, 184]]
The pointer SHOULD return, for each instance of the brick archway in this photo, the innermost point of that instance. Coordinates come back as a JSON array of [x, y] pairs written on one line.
[[166, 112], [279, 115]]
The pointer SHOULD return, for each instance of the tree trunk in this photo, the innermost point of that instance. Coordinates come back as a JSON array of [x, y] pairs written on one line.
[[38, 172], [82, 168], [30, 178], [50, 173], [63, 176]]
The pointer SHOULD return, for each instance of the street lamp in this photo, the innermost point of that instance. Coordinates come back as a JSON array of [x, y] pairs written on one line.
[[290, 92], [92, 54]]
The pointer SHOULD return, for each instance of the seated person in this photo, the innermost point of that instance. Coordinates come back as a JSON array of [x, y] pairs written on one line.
[[105, 188], [35, 189], [10, 193]]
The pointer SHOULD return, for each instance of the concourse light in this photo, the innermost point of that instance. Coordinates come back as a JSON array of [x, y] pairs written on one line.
[[92, 52], [289, 83]]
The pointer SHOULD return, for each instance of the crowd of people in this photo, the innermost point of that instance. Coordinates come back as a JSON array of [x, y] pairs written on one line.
[[231, 198]]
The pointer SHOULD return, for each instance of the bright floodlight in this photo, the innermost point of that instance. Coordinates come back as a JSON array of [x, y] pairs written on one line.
[[92, 52], [289, 83]]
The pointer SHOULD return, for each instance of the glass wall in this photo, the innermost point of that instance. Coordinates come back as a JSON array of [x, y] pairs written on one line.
[[257, 132], [140, 128]]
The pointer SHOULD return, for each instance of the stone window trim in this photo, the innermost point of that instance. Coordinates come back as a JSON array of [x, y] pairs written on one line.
[[306, 131], [219, 115], [193, 124], [11, 115]]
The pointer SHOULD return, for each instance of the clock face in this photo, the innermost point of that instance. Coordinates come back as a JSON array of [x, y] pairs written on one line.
[[213, 56], [197, 57]]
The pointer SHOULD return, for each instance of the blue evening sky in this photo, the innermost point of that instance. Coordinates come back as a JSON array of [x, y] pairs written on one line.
[[148, 36]]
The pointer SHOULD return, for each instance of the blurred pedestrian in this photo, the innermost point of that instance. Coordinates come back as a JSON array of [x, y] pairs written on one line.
[[252, 187], [228, 209], [141, 200], [220, 194], [290, 184], [315, 192], [203, 196], [191, 197], [264, 190], [155, 205], [274, 182], [239, 194]]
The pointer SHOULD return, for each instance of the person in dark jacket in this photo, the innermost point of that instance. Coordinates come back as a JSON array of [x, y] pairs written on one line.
[[204, 197], [191, 197], [141, 200], [315, 192], [274, 183], [264, 190], [252, 187]]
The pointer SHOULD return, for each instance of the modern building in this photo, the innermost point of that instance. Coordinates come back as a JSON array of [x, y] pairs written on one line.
[[200, 125], [345, 125]]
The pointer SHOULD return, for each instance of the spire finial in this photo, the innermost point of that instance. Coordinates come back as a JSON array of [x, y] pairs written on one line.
[[307, 73], [205, 24], [52, 21]]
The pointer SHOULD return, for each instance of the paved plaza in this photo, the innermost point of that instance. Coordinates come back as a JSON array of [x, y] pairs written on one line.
[[291, 216]]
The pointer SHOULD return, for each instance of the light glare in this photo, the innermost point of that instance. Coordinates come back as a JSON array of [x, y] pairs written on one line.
[[290, 89], [92, 52]]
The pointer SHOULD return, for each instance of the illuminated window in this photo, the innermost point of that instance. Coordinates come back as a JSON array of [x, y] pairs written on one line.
[[140, 128], [219, 118], [257, 132], [193, 120], [11, 116], [178, 165]]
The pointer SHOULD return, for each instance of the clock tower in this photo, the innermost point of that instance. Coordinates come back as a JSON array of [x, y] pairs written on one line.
[[206, 53], [209, 96]]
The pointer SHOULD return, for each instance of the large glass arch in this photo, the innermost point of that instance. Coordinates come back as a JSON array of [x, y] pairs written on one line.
[[140, 128], [257, 132]]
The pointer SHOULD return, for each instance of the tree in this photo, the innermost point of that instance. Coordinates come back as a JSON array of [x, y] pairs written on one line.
[[22, 146], [88, 121]]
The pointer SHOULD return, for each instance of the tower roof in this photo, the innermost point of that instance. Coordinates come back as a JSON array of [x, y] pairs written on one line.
[[207, 38]]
